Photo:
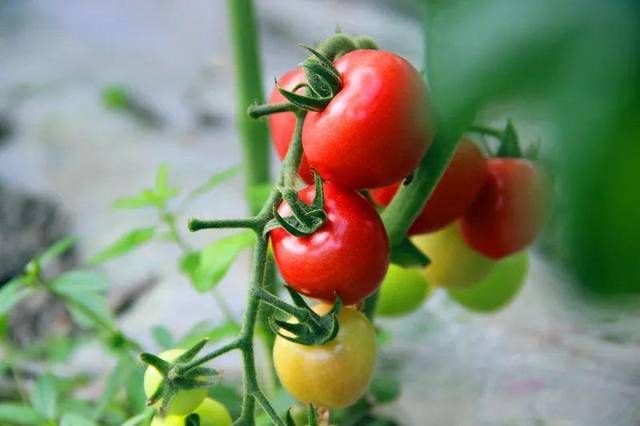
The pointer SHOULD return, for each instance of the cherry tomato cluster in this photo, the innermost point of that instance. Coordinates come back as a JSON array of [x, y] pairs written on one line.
[[372, 133], [481, 215]]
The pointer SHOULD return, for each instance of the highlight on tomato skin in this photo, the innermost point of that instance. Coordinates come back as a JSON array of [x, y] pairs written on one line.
[[498, 289], [283, 124], [348, 256], [381, 114], [509, 211], [335, 374], [453, 263], [455, 192]]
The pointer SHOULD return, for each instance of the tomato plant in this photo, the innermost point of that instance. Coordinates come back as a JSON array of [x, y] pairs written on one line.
[[402, 291], [381, 113], [335, 374], [456, 190], [186, 400], [498, 288], [508, 213], [348, 256], [453, 263]]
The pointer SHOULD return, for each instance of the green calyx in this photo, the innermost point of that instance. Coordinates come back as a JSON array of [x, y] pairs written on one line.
[[181, 374], [312, 329], [306, 218], [509, 141]]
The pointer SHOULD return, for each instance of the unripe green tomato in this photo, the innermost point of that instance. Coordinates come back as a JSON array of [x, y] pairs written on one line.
[[402, 291], [211, 413], [453, 263], [335, 374], [498, 288], [185, 401]]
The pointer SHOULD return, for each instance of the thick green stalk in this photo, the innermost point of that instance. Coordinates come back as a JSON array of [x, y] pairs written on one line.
[[254, 136], [253, 133]]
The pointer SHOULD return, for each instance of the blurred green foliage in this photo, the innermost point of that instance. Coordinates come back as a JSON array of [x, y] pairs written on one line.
[[579, 60]]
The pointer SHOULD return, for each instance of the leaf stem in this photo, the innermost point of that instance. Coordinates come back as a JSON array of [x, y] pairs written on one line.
[[197, 224], [257, 111]]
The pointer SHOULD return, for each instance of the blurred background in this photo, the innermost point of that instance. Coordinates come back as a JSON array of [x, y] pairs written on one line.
[[67, 152]]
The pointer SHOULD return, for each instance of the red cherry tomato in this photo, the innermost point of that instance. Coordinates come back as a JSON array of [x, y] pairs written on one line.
[[453, 195], [376, 130], [509, 210], [283, 124], [347, 256]]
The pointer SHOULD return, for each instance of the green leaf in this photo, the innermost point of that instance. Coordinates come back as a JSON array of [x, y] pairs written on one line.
[[189, 263], [116, 97], [44, 396], [162, 189], [217, 257], [214, 181], [83, 292], [162, 336], [124, 244], [204, 330], [78, 282], [71, 419], [58, 248], [135, 391], [385, 388], [406, 254], [146, 198], [11, 293], [19, 414]]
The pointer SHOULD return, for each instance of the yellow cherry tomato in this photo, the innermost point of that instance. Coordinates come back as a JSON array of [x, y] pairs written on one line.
[[453, 263], [402, 291], [335, 374], [211, 413], [185, 401]]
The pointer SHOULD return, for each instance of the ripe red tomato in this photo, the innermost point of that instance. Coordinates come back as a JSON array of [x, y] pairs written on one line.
[[376, 130], [335, 374], [509, 210], [458, 187], [283, 124], [348, 256]]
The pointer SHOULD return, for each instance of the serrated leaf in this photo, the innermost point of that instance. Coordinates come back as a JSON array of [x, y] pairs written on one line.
[[214, 181], [56, 249], [72, 419], [124, 244], [44, 396], [217, 257], [81, 281], [11, 293], [162, 337], [19, 414]]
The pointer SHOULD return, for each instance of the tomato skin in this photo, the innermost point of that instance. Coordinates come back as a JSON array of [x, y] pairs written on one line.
[[403, 291], [376, 130], [509, 210], [283, 124], [347, 256], [499, 287], [332, 375], [186, 400], [456, 190], [453, 263], [211, 413]]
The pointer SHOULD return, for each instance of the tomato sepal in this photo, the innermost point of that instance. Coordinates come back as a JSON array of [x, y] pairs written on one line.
[[312, 329], [407, 255]]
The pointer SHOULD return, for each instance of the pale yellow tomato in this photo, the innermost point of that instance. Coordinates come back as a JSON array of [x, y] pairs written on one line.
[[453, 263], [211, 413], [335, 374]]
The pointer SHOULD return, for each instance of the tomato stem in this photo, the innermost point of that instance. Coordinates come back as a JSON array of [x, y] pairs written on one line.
[[257, 111]]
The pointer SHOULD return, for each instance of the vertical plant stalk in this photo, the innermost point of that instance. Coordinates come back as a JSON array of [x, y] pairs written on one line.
[[254, 136]]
